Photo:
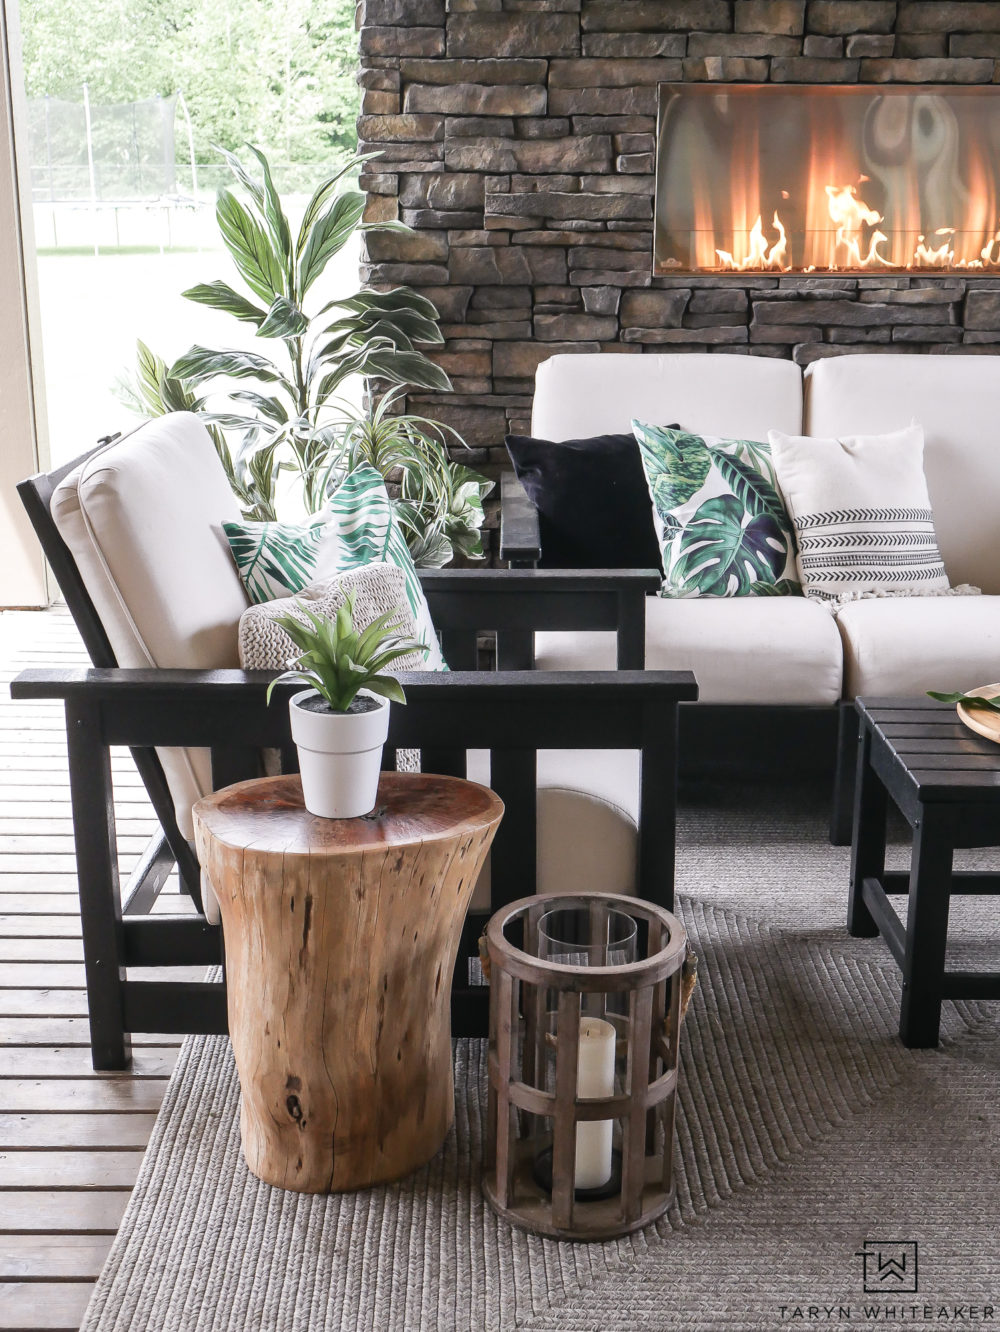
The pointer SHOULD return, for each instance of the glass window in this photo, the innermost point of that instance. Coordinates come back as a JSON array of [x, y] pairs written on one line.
[[126, 108]]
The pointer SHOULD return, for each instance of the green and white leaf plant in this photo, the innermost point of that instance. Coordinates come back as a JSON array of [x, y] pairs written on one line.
[[290, 417], [341, 720]]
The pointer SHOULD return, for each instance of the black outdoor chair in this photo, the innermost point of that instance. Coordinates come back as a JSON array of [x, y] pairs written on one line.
[[511, 713]]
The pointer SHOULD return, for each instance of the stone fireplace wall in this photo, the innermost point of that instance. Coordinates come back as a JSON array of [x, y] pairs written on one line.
[[517, 140]]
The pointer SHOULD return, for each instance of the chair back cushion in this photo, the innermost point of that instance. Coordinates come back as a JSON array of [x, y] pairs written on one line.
[[957, 401], [598, 393], [143, 521]]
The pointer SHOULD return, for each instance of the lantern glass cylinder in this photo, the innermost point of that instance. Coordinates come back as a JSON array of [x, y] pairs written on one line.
[[585, 1012], [582, 937]]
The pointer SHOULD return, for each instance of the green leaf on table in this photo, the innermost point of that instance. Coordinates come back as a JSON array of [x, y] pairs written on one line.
[[970, 700]]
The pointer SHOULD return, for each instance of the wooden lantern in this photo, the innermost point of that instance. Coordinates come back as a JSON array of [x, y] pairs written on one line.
[[541, 1014]]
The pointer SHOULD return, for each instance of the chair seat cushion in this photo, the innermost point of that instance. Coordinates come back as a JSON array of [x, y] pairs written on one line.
[[143, 522], [779, 650], [905, 646]]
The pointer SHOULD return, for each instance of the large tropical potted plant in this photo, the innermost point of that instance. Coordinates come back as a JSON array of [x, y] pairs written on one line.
[[290, 415], [341, 720]]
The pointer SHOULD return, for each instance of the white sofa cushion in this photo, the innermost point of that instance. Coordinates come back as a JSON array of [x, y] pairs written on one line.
[[861, 511], [906, 646], [597, 393], [779, 650], [957, 401], [143, 521]]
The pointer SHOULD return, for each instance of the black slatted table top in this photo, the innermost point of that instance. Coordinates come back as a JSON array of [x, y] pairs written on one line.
[[933, 752]]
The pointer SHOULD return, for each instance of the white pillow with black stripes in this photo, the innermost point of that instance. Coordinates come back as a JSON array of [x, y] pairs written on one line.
[[861, 512]]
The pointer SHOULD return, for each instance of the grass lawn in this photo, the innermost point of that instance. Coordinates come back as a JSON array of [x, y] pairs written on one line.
[[93, 307]]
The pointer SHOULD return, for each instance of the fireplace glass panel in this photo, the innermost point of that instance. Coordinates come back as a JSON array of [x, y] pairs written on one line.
[[812, 179]]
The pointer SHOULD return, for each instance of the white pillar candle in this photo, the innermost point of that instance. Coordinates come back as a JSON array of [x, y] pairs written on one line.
[[595, 1077]]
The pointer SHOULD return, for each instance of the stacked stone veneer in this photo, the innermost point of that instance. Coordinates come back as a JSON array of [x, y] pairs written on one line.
[[517, 139]]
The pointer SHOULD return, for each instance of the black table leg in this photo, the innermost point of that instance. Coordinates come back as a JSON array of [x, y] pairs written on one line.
[[868, 841], [926, 929]]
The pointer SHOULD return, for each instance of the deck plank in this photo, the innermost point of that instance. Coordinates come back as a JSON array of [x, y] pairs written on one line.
[[48, 1306], [81, 1211], [67, 1169], [127, 1095], [56, 1257], [24, 1131], [33, 1061], [71, 1139]]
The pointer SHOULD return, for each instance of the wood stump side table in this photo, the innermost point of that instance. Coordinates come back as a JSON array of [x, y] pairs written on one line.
[[341, 937]]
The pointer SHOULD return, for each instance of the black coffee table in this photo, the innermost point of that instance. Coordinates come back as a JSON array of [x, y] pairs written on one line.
[[945, 780]]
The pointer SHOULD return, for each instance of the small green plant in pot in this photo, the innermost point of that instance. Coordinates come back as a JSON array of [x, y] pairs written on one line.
[[340, 722]]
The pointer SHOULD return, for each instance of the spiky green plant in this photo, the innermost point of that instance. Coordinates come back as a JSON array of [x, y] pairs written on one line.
[[337, 660]]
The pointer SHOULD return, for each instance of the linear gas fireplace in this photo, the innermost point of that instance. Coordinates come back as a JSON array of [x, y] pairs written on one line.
[[759, 178]]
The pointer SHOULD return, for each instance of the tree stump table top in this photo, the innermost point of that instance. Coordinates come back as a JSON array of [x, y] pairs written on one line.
[[341, 937], [267, 814]]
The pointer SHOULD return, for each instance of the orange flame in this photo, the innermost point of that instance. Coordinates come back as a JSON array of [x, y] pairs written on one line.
[[848, 212], [759, 256], [939, 212]]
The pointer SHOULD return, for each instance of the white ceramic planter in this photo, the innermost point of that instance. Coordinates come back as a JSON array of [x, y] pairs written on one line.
[[340, 756]]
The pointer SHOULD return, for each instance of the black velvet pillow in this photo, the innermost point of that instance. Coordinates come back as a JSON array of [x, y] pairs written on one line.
[[592, 500]]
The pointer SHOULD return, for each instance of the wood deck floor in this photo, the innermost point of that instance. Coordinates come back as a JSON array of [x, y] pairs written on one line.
[[70, 1139]]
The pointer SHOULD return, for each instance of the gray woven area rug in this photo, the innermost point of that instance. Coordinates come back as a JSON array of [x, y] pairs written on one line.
[[806, 1133]]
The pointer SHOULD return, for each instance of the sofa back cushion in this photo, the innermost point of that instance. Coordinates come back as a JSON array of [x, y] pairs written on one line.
[[594, 393], [143, 521], [957, 401]]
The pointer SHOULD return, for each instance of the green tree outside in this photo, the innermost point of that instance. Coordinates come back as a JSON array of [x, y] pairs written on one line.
[[278, 73]]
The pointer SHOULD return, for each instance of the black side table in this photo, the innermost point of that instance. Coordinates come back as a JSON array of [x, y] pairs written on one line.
[[946, 782]]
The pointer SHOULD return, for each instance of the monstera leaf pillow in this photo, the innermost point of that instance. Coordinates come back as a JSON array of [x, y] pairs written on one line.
[[357, 528], [722, 526]]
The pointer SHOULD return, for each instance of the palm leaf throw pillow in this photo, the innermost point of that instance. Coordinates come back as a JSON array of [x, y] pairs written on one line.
[[275, 557], [722, 527], [357, 528]]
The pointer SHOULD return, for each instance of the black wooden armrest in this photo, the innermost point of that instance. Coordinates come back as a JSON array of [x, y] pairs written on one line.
[[539, 582], [517, 602], [520, 536], [224, 708]]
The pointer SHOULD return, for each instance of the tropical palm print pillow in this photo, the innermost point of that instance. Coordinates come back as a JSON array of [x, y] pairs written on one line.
[[723, 528], [357, 528]]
